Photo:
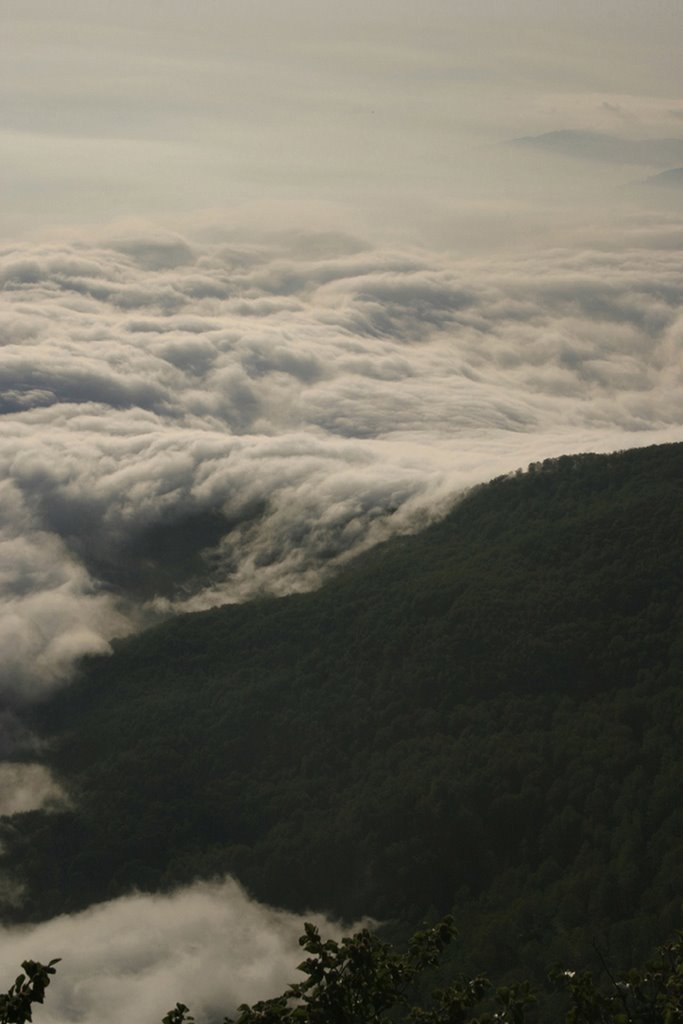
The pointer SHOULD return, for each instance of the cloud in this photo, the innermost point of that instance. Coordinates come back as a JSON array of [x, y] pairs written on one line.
[[188, 422], [134, 958], [27, 787]]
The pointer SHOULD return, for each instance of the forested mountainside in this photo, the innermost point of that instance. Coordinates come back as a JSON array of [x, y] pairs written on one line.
[[484, 719]]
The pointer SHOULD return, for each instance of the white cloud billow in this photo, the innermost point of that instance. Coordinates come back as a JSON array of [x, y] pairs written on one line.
[[132, 959], [315, 404]]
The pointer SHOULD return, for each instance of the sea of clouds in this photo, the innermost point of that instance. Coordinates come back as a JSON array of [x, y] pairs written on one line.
[[313, 394]]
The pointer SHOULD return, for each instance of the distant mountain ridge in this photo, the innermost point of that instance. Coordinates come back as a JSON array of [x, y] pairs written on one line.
[[673, 178], [601, 146], [485, 718]]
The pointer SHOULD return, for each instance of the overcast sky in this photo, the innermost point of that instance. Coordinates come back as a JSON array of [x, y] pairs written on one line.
[[282, 261], [387, 112]]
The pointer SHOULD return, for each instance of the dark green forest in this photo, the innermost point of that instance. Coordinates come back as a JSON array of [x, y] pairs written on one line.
[[484, 719]]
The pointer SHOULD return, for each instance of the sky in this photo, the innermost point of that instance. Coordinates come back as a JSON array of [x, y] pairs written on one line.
[[386, 113], [281, 279]]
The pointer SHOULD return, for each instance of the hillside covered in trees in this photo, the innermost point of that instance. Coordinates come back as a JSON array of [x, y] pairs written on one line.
[[484, 719]]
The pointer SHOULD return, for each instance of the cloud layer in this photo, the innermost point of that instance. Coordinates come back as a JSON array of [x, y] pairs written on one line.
[[134, 958], [186, 423]]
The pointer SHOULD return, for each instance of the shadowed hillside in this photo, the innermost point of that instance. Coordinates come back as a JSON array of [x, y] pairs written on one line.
[[483, 719]]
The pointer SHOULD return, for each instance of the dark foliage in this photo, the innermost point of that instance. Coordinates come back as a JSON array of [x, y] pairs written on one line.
[[364, 980], [16, 1005]]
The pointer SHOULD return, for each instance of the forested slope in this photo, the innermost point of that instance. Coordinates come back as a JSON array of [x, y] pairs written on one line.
[[485, 718]]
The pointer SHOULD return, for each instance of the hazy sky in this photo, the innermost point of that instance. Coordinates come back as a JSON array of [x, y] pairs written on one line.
[[281, 260], [388, 112]]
